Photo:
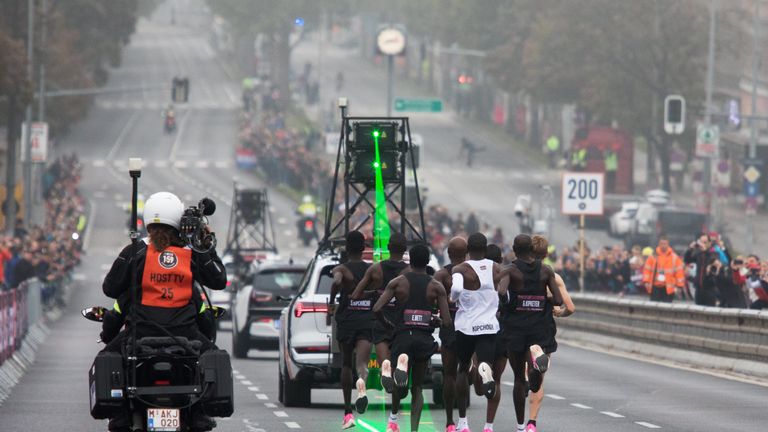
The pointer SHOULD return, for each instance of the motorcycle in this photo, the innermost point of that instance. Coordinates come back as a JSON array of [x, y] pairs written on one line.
[[170, 124], [307, 231], [165, 387]]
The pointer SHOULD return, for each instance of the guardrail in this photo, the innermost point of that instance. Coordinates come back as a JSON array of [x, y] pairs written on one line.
[[20, 309], [737, 333]]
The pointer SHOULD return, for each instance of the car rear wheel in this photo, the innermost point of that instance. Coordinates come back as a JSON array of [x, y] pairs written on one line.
[[295, 393]]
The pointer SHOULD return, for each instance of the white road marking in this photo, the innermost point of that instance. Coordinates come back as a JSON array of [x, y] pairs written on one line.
[[282, 221], [280, 413], [121, 136], [106, 266], [292, 425], [253, 388], [648, 425], [578, 405], [201, 164], [366, 426], [611, 414], [98, 163], [235, 372], [246, 382], [510, 383], [180, 164], [240, 377], [78, 277], [262, 396], [221, 164], [161, 164], [554, 396], [270, 405], [179, 133]]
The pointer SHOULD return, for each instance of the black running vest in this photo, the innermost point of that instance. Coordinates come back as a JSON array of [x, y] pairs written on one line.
[[390, 270], [529, 307], [416, 312], [355, 309], [452, 306]]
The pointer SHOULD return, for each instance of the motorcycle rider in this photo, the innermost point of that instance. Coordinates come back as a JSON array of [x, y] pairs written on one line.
[[169, 117], [165, 273], [307, 211]]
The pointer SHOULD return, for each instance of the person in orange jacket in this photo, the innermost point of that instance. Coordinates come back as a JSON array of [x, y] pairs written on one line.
[[663, 273]]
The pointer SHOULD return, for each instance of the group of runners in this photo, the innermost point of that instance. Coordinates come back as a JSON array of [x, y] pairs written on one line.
[[488, 314]]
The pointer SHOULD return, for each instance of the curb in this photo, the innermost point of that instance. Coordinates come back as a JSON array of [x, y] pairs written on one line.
[[729, 367]]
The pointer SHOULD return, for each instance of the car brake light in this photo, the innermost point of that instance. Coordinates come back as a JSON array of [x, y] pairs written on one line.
[[312, 349], [162, 382], [260, 296], [308, 224], [309, 307]]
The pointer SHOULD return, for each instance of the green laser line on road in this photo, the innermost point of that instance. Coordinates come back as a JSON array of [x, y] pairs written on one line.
[[381, 231]]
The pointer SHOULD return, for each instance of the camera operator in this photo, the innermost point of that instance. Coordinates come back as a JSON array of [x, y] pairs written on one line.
[[730, 283], [165, 273], [757, 283], [707, 293], [701, 254]]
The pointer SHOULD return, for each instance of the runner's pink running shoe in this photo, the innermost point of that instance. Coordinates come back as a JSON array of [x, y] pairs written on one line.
[[530, 428], [393, 427], [450, 428], [349, 421]]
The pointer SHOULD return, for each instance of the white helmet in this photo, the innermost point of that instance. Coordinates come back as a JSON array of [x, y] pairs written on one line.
[[163, 207]]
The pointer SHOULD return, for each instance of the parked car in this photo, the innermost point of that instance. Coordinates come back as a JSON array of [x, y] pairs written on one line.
[[620, 223], [309, 356], [256, 307]]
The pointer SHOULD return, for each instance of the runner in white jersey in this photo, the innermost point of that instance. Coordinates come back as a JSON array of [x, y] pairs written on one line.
[[474, 290]]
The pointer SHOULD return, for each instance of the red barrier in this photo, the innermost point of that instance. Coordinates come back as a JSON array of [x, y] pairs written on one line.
[[13, 320]]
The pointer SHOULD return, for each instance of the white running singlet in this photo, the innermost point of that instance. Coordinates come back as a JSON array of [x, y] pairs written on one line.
[[476, 312]]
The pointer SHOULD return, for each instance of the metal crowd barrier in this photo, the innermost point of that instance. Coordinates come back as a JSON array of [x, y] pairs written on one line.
[[737, 333], [20, 309]]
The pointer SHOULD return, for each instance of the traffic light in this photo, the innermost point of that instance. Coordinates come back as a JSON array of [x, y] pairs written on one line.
[[180, 90], [674, 114]]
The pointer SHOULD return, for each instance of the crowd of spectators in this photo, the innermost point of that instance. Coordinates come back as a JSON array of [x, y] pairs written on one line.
[[48, 252], [285, 155]]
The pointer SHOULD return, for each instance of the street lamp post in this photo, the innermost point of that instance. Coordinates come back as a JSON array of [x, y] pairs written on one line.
[[707, 184]]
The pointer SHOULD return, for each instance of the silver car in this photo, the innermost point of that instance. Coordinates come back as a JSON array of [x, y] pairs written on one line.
[[308, 353]]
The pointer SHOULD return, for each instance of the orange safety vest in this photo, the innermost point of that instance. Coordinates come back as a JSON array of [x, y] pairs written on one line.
[[664, 270], [167, 279]]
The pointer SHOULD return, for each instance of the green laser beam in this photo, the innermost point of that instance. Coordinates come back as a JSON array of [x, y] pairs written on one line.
[[381, 231]]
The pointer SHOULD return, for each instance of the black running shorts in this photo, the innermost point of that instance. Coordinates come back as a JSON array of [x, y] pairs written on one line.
[[349, 332], [418, 344], [483, 345], [381, 333], [520, 340]]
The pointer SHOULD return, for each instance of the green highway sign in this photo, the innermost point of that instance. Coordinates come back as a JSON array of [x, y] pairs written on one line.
[[419, 105]]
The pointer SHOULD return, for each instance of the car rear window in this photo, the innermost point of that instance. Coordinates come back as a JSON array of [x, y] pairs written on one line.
[[278, 280], [325, 281]]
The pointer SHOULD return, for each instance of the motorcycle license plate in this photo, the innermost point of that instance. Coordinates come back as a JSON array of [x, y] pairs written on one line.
[[163, 420]]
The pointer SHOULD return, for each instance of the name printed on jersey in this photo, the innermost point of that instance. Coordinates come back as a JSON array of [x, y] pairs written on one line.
[[417, 317], [360, 304], [530, 303]]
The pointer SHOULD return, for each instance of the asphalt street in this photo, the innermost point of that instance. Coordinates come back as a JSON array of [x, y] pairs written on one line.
[[587, 391]]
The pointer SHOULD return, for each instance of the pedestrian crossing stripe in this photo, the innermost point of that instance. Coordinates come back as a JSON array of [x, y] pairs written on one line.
[[157, 106]]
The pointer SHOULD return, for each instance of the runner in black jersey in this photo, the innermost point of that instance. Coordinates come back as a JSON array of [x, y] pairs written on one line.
[[526, 319], [457, 253], [372, 286], [417, 295], [353, 324], [540, 251]]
